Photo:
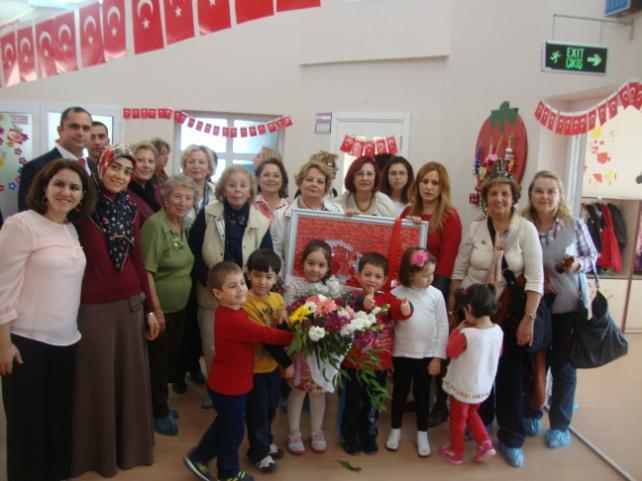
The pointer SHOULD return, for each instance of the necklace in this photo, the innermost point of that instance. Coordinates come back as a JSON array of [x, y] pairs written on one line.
[[367, 209], [306, 206]]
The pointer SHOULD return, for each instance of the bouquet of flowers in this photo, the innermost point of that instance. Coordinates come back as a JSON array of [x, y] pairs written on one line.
[[326, 329]]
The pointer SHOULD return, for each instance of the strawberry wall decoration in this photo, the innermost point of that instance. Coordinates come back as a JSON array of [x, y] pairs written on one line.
[[501, 147]]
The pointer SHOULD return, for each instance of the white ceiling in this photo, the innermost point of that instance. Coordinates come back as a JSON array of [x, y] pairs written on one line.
[[22, 10]]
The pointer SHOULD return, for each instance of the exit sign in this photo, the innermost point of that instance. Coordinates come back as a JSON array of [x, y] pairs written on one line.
[[566, 57]]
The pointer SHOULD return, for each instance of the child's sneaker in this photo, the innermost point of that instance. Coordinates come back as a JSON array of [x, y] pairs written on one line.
[[317, 442], [240, 476], [450, 455], [423, 446], [392, 443], [198, 469], [276, 452], [295, 443], [266, 465], [483, 451]]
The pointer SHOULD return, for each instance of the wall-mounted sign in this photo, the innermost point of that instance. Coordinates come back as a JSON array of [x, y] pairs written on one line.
[[567, 57], [621, 7]]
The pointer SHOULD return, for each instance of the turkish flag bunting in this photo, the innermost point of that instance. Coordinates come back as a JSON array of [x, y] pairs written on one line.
[[114, 29], [136, 113], [26, 55], [252, 131], [180, 117], [144, 113], [582, 126], [271, 126], [357, 148], [208, 128], [592, 117], [280, 123], [191, 122], [601, 113], [545, 113], [148, 33], [284, 5], [234, 132], [346, 145], [152, 113], [91, 37], [10, 67], [213, 15], [369, 148], [612, 105], [539, 110], [288, 121], [380, 147], [216, 130], [392, 145], [568, 125], [226, 131], [127, 113], [243, 131], [261, 129], [46, 49], [247, 10], [624, 95], [179, 20], [66, 56], [551, 120], [561, 122], [637, 100], [199, 125]]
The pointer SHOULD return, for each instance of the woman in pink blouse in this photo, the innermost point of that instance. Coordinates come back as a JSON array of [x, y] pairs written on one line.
[[41, 272]]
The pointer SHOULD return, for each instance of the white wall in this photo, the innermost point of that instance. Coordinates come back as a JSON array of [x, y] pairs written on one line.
[[447, 63]]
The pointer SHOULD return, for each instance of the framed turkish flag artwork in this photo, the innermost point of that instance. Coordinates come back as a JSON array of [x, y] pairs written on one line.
[[350, 238]]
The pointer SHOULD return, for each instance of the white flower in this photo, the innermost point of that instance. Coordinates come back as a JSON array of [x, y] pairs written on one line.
[[343, 313], [347, 330], [312, 306], [316, 333]]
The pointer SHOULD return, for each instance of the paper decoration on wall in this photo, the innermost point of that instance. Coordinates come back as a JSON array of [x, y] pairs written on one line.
[[215, 130], [629, 94], [502, 146], [358, 146], [105, 39], [92, 51]]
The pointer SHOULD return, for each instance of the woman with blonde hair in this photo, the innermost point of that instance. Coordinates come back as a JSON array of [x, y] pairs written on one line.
[[199, 164], [430, 201], [568, 254], [142, 190]]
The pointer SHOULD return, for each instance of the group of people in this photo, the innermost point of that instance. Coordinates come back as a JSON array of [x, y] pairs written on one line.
[[119, 277]]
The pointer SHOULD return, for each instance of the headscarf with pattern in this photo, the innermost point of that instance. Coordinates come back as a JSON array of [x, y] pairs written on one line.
[[114, 215]]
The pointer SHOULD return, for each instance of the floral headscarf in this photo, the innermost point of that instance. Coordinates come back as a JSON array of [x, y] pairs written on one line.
[[114, 215]]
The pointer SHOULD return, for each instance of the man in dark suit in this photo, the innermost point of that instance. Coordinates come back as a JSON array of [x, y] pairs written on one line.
[[73, 137], [98, 142]]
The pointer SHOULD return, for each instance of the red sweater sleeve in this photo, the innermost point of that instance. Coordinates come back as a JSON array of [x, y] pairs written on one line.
[[243, 329], [139, 265], [395, 306], [448, 245], [456, 344]]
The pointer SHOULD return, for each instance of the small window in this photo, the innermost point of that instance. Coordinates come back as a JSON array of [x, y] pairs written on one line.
[[230, 151]]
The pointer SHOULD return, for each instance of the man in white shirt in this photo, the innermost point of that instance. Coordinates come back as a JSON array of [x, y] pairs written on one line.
[[73, 137]]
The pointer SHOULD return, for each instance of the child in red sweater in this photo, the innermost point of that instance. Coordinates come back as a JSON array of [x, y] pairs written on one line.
[[359, 420], [231, 374]]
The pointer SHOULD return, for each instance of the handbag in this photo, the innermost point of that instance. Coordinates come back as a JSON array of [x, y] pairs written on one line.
[[513, 305], [596, 340]]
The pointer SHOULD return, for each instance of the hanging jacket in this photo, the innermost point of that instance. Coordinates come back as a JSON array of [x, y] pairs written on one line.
[[610, 256], [618, 225], [595, 225]]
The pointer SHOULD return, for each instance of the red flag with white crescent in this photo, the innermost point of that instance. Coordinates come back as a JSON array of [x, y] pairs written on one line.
[[247, 10], [65, 40], [91, 36], [213, 15], [46, 48], [146, 19], [10, 67], [179, 20], [114, 38], [26, 54], [284, 5]]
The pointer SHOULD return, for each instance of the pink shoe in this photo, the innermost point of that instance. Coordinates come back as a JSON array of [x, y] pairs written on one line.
[[483, 451], [295, 443], [317, 442], [449, 455]]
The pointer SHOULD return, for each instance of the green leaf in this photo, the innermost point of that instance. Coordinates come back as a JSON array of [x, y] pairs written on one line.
[[347, 465], [502, 115]]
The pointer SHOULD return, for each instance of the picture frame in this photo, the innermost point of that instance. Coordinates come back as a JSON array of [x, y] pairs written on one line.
[[350, 237]]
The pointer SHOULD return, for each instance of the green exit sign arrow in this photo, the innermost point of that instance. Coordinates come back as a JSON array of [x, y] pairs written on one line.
[[566, 57]]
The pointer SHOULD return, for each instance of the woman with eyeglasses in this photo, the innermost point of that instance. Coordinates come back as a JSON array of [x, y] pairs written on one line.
[[362, 185], [199, 164], [569, 253], [396, 181], [272, 185], [168, 261]]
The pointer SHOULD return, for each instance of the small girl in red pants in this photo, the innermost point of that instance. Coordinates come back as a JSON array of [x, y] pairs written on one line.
[[474, 348]]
